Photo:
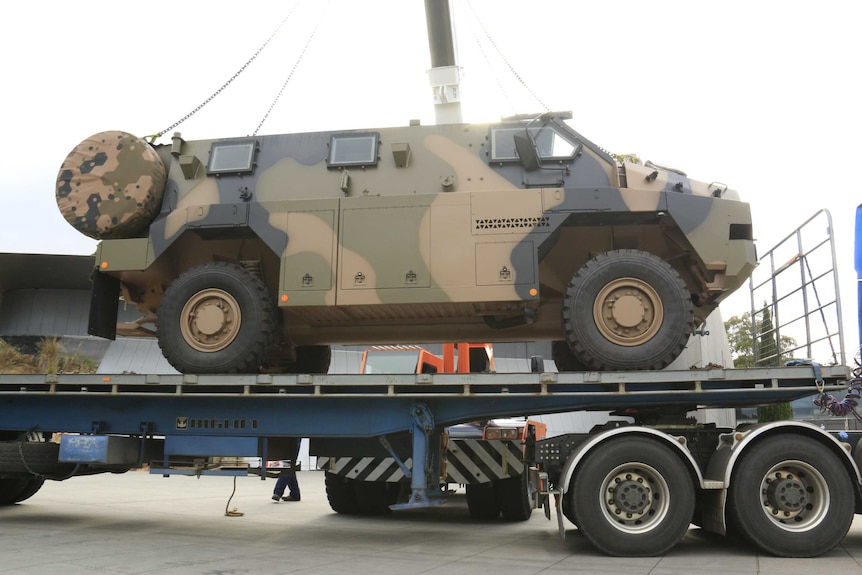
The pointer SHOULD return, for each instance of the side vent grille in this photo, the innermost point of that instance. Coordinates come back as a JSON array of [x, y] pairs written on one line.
[[512, 223]]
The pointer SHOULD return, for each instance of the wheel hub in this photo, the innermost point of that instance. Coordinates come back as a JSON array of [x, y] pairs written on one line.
[[628, 311], [795, 496], [786, 495], [629, 495], [210, 320]]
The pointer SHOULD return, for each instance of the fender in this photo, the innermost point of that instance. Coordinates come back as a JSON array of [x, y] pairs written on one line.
[[578, 455], [733, 444]]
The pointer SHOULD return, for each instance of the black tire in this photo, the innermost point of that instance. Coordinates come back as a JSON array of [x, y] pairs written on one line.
[[627, 309], [374, 498], [341, 494], [633, 497], [563, 357], [312, 359], [513, 496], [17, 489], [29, 457], [482, 501], [217, 318], [791, 497]]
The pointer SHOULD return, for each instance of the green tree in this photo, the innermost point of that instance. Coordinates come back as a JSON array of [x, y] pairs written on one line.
[[742, 333]]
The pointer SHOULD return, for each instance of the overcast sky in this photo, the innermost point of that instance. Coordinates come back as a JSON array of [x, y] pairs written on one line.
[[762, 96]]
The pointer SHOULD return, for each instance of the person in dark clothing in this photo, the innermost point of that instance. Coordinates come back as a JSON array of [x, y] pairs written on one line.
[[287, 480]]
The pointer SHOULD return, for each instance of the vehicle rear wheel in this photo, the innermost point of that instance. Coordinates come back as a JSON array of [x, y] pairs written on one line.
[[563, 357], [341, 494], [32, 457], [482, 501], [791, 497], [374, 498], [312, 359], [17, 489], [627, 309], [633, 497], [217, 318], [513, 496]]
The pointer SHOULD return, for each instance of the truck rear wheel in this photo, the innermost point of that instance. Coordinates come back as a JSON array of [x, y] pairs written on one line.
[[216, 318], [375, 497], [791, 497], [513, 496], [17, 489], [482, 501], [632, 497], [341, 494], [627, 309]]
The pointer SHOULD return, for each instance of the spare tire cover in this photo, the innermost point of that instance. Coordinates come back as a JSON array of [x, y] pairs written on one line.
[[111, 185]]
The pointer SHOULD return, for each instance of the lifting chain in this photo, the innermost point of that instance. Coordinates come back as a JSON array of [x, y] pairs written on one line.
[[24, 461], [152, 138], [505, 61], [295, 64]]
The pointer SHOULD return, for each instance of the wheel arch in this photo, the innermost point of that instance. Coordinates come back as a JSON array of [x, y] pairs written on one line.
[[146, 287], [677, 443]]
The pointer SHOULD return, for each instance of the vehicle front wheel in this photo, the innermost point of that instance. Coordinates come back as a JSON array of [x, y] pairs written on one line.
[[217, 318], [626, 309]]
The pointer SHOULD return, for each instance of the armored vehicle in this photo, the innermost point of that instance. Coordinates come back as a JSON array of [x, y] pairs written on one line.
[[257, 253]]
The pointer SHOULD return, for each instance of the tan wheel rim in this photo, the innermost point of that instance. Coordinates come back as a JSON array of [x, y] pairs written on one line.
[[628, 312], [210, 320]]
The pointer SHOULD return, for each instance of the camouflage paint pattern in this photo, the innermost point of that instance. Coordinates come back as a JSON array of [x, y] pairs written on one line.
[[111, 185], [444, 231]]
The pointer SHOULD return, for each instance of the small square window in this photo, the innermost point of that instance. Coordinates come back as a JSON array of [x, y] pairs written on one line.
[[232, 157], [353, 150]]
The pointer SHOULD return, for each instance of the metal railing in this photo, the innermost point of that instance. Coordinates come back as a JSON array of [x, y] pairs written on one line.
[[795, 301]]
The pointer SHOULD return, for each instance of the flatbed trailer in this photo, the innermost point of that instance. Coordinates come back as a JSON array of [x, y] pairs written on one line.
[[631, 488]]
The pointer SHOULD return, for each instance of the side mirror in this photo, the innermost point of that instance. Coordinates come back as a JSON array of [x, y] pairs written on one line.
[[527, 153]]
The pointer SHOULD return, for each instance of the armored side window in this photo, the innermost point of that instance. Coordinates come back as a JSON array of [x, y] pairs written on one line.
[[550, 143], [235, 157], [353, 150]]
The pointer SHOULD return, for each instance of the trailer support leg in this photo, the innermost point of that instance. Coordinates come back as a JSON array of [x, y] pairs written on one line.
[[422, 428]]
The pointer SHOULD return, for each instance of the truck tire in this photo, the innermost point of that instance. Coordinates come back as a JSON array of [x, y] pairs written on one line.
[[632, 497], [627, 309], [217, 318], [482, 501], [341, 494], [17, 489], [29, 457], [375, 497], [513, 497], [791, 497]]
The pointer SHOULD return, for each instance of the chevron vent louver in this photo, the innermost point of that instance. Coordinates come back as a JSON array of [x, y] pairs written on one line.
[[511, 223]]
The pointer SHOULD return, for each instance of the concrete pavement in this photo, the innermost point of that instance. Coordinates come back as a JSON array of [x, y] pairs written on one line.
[[141, 523]]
